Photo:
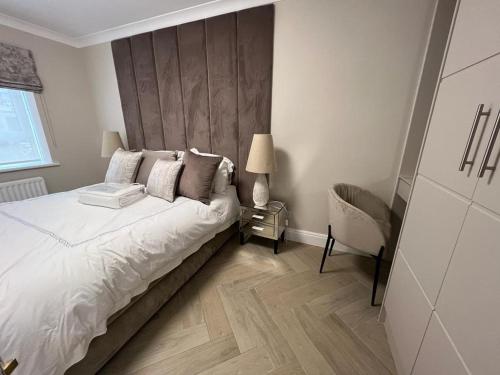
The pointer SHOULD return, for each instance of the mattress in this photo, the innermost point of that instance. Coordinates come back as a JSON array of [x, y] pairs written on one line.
[[65, 268]]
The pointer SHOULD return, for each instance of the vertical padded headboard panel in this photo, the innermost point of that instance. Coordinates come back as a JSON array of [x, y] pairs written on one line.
[[169, 88], [205, 84], [255, 74]]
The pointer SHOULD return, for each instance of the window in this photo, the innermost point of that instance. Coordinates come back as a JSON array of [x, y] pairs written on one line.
[[22, 139]]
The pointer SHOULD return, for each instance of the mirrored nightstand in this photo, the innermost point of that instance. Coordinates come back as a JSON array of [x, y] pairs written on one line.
[[268, 222]]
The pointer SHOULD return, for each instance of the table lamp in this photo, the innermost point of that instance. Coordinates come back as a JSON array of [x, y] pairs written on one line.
[[111, 141], [261, 160]]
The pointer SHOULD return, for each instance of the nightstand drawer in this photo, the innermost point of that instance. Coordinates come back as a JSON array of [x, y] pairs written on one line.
[[258, 217], [262, 229], [259, 229]]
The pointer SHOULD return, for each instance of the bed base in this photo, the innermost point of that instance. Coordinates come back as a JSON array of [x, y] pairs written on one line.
[[128, 321]]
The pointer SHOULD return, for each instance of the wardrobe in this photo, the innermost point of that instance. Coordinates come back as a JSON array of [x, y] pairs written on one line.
[[441, 310]]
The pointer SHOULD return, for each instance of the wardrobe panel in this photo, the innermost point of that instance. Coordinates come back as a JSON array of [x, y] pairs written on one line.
[[469, 302], [193, 63], [147, 90], [437, 354], [407, 315], [450, 133], [433, 222], [255, 29], [475, 34], [128, 93], [223, 85], [169, 88]]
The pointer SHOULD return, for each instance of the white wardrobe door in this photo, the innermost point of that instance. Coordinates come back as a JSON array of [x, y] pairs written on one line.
[[407, 315], [437, 354], [488, 187], [469, 302], [476, 34], [431, 229], [452, 119]]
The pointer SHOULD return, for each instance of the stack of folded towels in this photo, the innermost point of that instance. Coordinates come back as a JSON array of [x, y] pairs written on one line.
[[112, 195]]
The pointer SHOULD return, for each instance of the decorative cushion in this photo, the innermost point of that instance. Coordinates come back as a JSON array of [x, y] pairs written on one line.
[[123, 167], [148, 160], [197, 176], [162, 181], [224, 172]]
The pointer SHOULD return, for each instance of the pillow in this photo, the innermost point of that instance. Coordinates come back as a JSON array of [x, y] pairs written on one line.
[[148, 160], [123, 167], [197, 176], [224, 172], [163, 178]]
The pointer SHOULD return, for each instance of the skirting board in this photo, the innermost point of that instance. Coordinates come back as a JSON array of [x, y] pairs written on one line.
[[317, 239]]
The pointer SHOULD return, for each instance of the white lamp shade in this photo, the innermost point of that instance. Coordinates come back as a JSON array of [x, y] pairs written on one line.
[[111, 141], [261, 158]]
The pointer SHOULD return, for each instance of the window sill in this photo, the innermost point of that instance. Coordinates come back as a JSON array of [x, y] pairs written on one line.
[[27, 167]]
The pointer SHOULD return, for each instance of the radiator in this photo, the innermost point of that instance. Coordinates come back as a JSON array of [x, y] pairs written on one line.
[[22, 189]]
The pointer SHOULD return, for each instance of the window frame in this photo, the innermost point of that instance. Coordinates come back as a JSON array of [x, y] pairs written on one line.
[[42, 134]]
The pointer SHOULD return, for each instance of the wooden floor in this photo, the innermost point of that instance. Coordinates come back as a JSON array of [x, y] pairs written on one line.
[[251, 312]]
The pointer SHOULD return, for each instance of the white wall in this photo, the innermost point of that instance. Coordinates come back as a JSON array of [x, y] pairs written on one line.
[[104, 89], [345, 75], [71, 111]]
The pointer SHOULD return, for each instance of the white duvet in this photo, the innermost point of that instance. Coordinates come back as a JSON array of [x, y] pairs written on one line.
[[65, 267]]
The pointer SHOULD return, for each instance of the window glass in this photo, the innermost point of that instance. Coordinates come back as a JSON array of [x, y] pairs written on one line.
[[22, 139]]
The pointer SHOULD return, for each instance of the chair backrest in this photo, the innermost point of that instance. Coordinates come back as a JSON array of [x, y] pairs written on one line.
[[355, 216], [364, 200]]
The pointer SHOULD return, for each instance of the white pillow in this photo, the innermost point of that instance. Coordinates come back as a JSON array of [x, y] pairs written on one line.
[[123, 167], [162, 180], [223, 174]]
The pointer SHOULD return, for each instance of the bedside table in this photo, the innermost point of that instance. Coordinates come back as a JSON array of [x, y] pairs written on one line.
[[268, 222]]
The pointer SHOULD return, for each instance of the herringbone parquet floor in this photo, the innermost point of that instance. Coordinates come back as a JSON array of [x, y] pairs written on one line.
[[251, 312]]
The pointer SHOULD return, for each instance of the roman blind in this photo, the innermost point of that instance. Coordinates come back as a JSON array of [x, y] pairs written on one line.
[[18, 69]]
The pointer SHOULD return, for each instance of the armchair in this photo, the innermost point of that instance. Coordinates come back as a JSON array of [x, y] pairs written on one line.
[[360, 220]]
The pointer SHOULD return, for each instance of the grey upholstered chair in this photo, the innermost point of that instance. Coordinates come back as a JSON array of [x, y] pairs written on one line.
[[360, 220]]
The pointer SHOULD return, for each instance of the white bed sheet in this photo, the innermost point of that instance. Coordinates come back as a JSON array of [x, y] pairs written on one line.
[[65, 267]]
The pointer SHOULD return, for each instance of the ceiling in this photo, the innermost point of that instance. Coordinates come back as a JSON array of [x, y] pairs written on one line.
[[85, 22]]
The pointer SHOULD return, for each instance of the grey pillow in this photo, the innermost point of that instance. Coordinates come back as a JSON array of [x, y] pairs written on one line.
[[123, 166], [197, 176], [148, 160], [162, 180]]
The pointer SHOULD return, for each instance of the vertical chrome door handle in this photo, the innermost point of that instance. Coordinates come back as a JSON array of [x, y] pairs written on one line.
[[491, 143], [479, 113]]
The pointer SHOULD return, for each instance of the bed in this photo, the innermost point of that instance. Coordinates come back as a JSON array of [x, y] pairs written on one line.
[[69, 273], [77, 282]]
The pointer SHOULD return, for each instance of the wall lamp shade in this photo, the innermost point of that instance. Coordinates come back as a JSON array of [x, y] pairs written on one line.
[[111, 141], [261, 158]]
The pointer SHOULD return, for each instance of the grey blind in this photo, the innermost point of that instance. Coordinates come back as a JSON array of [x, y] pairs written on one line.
[[18, 69]]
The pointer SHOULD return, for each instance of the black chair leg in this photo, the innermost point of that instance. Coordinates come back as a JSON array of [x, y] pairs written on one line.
[[331, 246], [378, 261], [328, 239]]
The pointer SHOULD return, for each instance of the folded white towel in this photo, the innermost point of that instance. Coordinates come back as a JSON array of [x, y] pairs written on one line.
[[111, 195]]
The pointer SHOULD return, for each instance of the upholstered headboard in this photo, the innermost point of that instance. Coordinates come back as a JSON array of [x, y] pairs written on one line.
[[204, 84]]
